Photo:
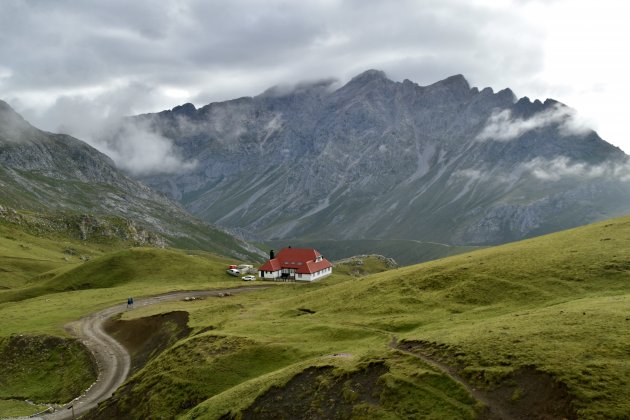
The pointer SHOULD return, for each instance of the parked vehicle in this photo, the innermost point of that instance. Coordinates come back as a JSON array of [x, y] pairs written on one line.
[[233, 272], [247, 269], [249, 278]]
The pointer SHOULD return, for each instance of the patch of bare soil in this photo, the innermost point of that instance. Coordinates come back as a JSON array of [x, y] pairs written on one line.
[[317, 393], [145, 338], [526, 393]]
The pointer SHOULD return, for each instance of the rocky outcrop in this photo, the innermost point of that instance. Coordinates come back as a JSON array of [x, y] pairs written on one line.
[[85, 227], [359, 260]]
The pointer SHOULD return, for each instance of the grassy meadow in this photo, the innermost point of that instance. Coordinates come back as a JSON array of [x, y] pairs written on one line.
[[49, 280], [559, 304]]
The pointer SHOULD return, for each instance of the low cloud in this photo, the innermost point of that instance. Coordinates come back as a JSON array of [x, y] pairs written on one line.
[[100, 121], [502, 126], [551, 170], [562, 167], [142, 151]]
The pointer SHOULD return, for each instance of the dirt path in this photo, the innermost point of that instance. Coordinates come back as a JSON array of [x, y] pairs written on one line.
[[112, 358], [494, 412]]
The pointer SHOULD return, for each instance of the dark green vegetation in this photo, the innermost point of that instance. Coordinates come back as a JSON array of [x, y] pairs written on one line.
[[545, 316], [404, 251]]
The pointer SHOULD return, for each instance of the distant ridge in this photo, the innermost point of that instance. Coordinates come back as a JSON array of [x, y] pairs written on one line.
[[381, 159]]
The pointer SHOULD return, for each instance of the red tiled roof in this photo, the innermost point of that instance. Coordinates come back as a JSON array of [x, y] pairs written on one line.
[[271, 265], [300, 259], [313, 267]]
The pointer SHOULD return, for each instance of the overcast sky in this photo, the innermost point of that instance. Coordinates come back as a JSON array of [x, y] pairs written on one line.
[[70, 65]]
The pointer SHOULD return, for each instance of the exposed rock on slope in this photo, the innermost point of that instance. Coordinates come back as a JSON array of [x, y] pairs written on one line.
[[382, 159], [83, 226]]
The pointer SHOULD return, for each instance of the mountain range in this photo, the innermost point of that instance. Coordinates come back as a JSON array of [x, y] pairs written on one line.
[[64, 181], [378, 159]]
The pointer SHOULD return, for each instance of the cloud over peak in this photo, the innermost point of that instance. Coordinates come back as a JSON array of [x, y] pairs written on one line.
[[503, 126]]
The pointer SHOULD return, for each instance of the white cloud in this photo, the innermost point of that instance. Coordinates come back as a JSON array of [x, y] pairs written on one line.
[[221, 50], [562, 167], [142, 151], [99, 119], [204, 51], [502, 126]]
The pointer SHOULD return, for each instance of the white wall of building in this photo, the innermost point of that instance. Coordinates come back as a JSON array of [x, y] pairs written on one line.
[[269, 275], [299, 277], [317, 275]]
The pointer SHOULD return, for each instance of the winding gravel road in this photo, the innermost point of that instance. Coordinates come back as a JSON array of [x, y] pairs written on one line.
[[111, 357]]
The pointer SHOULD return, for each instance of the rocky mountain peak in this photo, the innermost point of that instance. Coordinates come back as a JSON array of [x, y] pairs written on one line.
[[507, 94], [187, 109], [369, 76], [6, 112], [12, 125], [310, 87], [416, 149], [456, 83], [4, 107]]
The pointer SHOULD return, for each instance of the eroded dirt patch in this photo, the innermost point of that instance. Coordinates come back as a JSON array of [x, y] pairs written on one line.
[[524, 393], [147, 337], [317, 393]]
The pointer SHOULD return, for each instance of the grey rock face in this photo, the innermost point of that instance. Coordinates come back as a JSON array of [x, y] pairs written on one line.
[[381, 159]]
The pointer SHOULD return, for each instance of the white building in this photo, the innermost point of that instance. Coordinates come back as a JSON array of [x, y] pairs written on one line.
[[302, 264]]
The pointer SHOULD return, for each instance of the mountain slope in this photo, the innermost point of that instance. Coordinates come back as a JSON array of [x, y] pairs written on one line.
[[48, 172], [388, 160]]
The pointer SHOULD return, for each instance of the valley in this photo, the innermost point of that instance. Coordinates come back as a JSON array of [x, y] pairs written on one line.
[[314, 210], [545, 312], [318, 210]]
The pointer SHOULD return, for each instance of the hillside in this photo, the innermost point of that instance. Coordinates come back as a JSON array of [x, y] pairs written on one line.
[[382, 160], [519, 322], [54, 173], [539, 324], [51, 275]]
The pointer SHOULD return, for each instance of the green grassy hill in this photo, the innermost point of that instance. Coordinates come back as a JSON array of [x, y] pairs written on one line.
[[542, 317], [549, 313], [49, 277]]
